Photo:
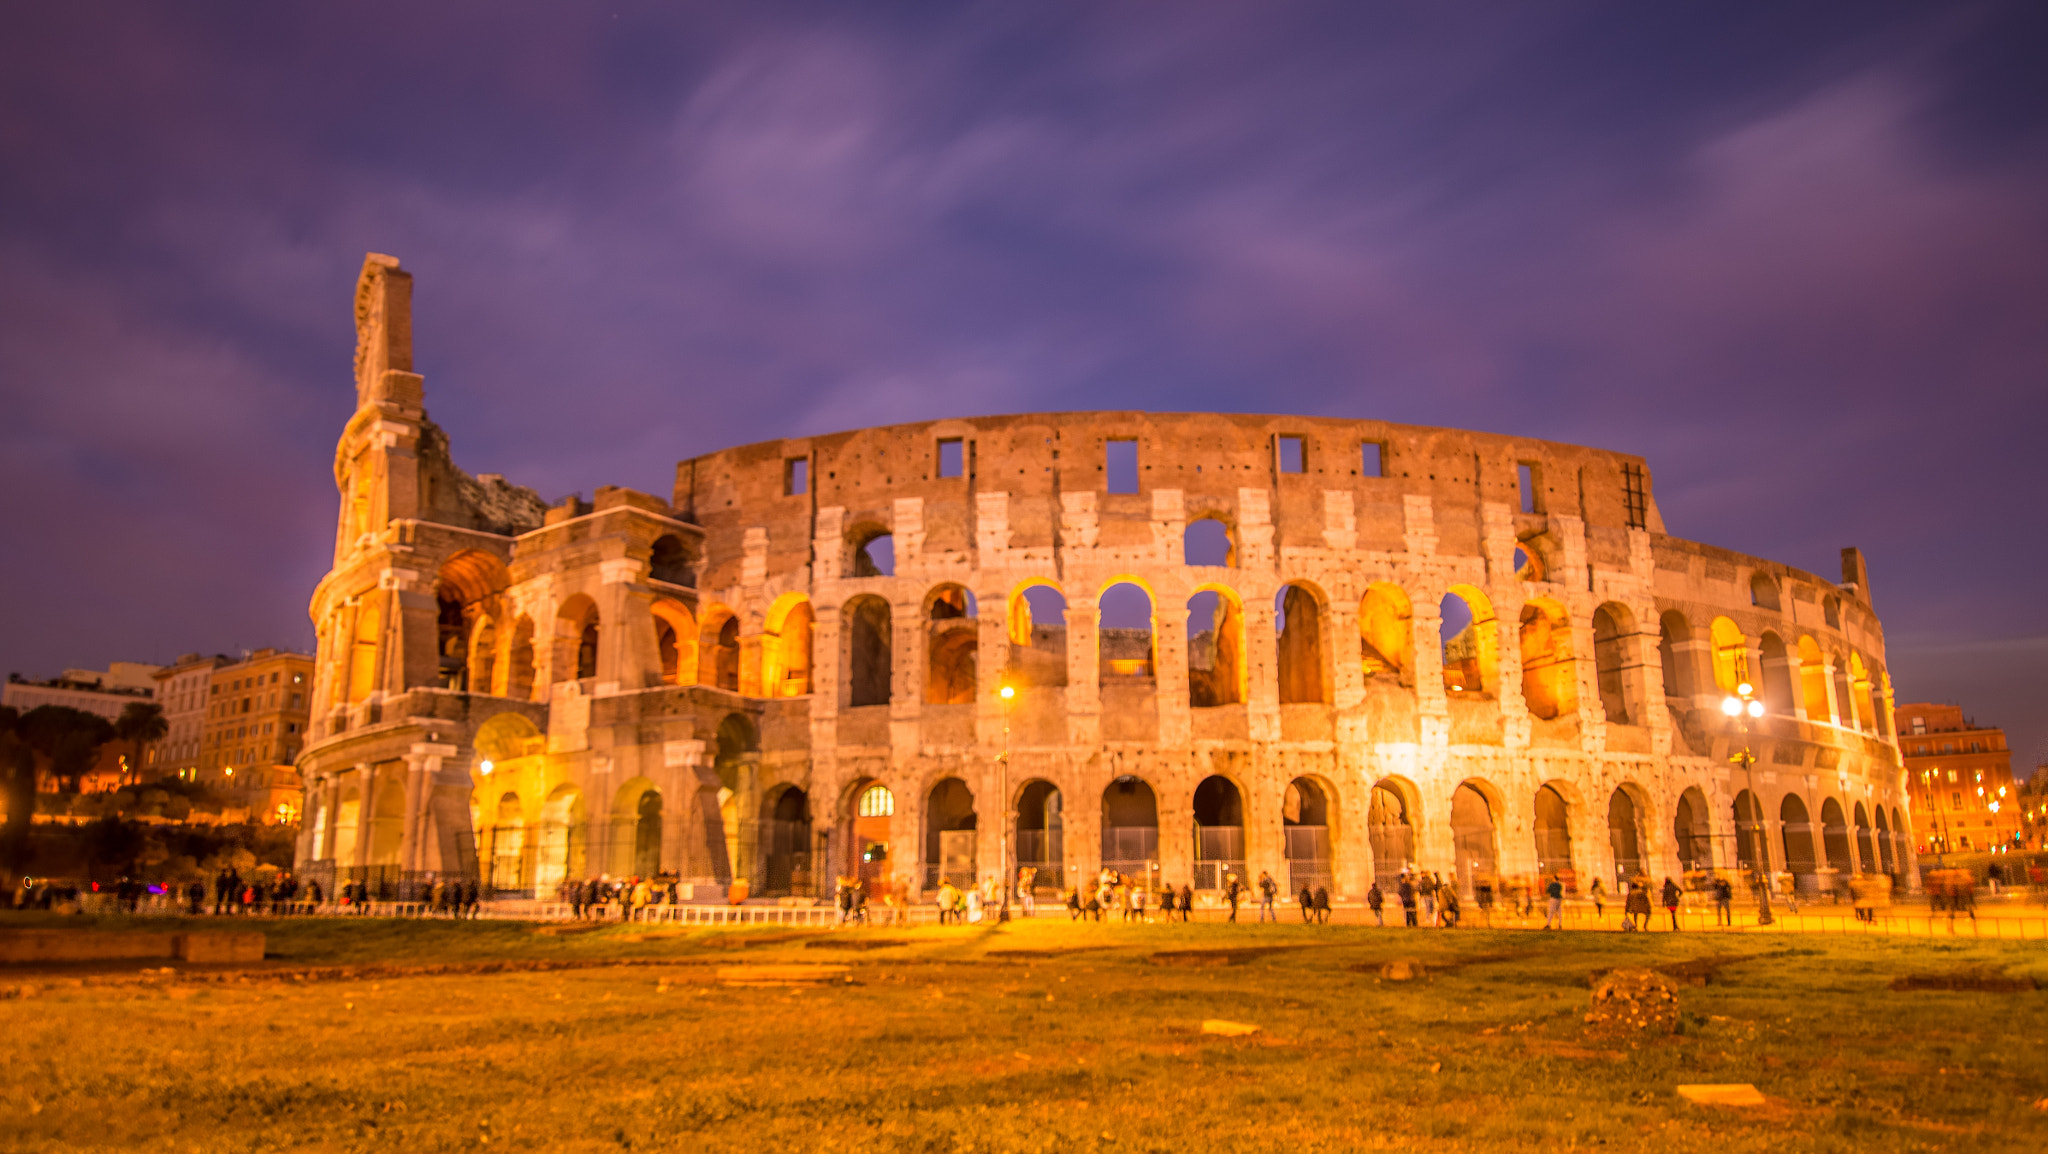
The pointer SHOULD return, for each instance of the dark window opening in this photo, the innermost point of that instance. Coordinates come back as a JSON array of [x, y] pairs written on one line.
[[796, 477], [1293, 455], [1372, 459], [1121, 463], [952, 458], [1527, 475]]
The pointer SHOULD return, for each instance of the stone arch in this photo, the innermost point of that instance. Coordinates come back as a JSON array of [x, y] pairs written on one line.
[[1834, 839], [1475, 832], [505, 737], [735, 759], [786, 841], [1392, 811], [718, 652], [451, 642], [1528, 562], [362, 665], [1208, 541], [348, 824], [462, 586], [1550, 677], [1038, 635], [953, 641], [1309, 825], [482, 657], [1763, 591], [1386, 633], [1125, 641], [1730, 654], [1845, 700], [1216, 665], [872, 550], [1613, 627], [1885, 841], [1219, 813], [675, 641], [1776, 684], [1553, 830], [1674, 640], [786, 647], [1625, 838], [1813, 681], [1866, 858], [949, 833], [507, 850], [1797, 832], [1859, 693], [1471, 642], [1298, 612], [561, 842], [1130, 825], [577, 636], [1693, 832], [669, 560], [868, 651], [519, 660], [1041, 837], [869, 806]]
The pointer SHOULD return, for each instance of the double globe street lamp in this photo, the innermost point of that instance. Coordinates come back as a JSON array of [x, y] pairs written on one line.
[[1745, 708]]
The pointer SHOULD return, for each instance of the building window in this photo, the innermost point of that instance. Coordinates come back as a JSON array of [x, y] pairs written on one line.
[[1634, 498], [952, 457], [1293, 455], [1372, 459], [796, 476], [1527, 475], [1120, 462], [877, 801]]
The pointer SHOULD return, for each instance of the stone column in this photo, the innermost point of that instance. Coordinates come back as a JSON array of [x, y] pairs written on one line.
[[1084, 672], [365, 811]]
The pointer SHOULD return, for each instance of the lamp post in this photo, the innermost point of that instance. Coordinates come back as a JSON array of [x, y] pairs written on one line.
[[1744, 707], [1007, 693]]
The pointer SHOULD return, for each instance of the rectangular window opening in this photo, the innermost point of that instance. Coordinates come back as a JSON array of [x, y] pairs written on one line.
[[1633, 499], [1527, 475], [1121, 463], [1293, 455], [952, 458], [1372, 460], [796, 476]]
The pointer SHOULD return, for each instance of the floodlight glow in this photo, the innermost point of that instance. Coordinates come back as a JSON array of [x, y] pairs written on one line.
[[1731, 707], [1756, 709], [486, 767]]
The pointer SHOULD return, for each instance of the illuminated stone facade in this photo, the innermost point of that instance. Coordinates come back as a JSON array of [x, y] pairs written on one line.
[[1225, 637]]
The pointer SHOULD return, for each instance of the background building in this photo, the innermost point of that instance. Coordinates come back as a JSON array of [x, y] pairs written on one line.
[[106, 692], [254, 729], [1964, 794], [185, 691]]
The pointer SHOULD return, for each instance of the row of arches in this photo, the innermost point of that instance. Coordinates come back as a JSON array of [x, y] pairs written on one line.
[[1792, 680]]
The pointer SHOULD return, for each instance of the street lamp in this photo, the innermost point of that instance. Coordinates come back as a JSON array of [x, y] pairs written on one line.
[[1744, 707], [1007, 693]]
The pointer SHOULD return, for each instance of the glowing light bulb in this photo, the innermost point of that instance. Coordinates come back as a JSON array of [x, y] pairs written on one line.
[[486, 767], [1007, 692], [1731, 707]]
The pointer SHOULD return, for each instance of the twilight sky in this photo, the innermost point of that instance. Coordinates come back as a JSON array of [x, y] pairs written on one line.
[[1797, 256]]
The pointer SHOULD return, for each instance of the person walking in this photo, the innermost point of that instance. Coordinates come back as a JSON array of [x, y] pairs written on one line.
[[1407, 892], [1598, 892], [1724, 902], [1671, 901], [1187, 901], [1375, 901], [1635, 910], [1553, 904], [1426, 890], [1484, 888], [1027, 890], [1452, 911], [1307, 898], [1267, 889], [1322, 905], [1231, 891]]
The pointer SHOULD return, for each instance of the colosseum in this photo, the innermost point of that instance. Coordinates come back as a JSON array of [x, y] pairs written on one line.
[[1174, 644]]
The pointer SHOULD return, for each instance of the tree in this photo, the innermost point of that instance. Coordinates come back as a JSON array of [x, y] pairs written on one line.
[[140, 723], [68, 740], [18, 786]]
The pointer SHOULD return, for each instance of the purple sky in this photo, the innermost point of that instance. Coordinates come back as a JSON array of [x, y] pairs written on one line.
[[1797, 256]]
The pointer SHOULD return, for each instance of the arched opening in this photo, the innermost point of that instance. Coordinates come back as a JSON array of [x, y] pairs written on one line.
[[1305, 824], [362, 667], [669, 561], [1550, 678], [1845, 700], [675, 642], [868, 651], [1625, 837], [1674, 634], [736, 760], [1777, 674], [560, 849], [1471, 643], [949, 834], [1130, 826], [519, 661], [1038, 636], [1208, 542], [718, 652], [387, 820], [875, 554], [451, 641], [1797, 834], [1763, 591], [1386, 633], [508, 845], [1692, 829], [348, 819], [1749, 833], [1528, 563], [1216, 669], [1834, 837], [1298, 620], [953, 641], [1125, 639], [786, 842], [1731, 654], [1219, 833], [1813, 682], [1389, 831], [1473, 836], [1612, 627], [576, 639], [1041, 835], [483, 657], [868, 836], [786, 647], [1553, 834], [1884, 842], [1859, 693], [1866, 856]]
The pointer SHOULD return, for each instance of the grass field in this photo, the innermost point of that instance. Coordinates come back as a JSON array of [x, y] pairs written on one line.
[[1040, 1037]]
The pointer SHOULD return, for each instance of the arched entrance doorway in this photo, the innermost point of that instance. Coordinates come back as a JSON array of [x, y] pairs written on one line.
[[1554, 835], [786, 843], [1834, 839], [1130, 827], [1305, 818], [1473, 837], [1866, 858], [1797, 829], [1693, 832], [508, 846], [949, 834], [1884, 842], [1625, 838], [867, 841], [559, 856], [1389, 832], [1219, 833], [1041, 836]]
